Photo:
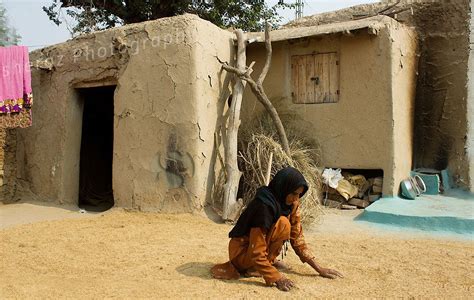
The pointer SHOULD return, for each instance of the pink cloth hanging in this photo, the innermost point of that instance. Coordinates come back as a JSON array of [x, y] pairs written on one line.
[[15, 75], [15, 87]]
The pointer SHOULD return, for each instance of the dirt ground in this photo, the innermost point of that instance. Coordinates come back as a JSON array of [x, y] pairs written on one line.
[[136, 255]]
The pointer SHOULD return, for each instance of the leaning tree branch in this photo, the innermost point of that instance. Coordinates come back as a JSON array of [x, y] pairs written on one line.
[[231, 207], [259, 92], [268, 60]]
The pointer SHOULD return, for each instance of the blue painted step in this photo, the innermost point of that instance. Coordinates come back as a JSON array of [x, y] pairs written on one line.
[[452, 212]]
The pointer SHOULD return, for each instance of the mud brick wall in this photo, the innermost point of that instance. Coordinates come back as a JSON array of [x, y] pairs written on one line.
[[7, 165]]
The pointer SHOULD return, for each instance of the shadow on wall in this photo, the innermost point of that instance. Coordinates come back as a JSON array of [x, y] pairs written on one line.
[[215, 179]]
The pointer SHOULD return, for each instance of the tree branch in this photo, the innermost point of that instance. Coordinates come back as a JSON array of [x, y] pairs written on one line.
[[268, 60], [259, 92], [231, 207]]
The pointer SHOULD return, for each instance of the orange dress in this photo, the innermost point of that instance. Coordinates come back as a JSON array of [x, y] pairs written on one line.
[[259, 250]]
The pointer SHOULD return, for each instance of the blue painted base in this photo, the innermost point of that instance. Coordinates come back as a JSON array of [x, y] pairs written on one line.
[[451, 212]]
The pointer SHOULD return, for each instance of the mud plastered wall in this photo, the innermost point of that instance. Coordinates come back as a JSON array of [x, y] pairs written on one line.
[[404, 58], [359, 131], [9, 185], [470, 101], [174, 176], [164, 112], [441, 104]]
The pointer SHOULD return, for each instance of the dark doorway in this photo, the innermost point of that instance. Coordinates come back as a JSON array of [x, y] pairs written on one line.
[[95, 181]]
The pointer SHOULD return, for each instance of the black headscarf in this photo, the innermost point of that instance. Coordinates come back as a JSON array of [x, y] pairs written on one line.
[[270, 202]]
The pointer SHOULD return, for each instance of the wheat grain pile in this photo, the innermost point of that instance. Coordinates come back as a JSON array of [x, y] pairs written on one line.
[[136, 255]]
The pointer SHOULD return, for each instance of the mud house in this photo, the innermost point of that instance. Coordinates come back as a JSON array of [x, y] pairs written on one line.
[[350, 86], [444, 115], [127, 116], [150, 94]]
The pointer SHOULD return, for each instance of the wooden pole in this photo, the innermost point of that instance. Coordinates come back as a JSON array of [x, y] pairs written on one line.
[[259, 92], [269, 169], [230, 203]]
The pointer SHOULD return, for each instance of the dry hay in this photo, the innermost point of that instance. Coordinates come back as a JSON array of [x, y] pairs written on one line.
[[257, 141], [255, 156]]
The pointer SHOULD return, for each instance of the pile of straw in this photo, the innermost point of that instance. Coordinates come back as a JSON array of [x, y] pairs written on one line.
[[256, 146]]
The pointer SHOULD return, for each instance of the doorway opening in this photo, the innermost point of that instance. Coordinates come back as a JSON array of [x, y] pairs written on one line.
[[95, 179]]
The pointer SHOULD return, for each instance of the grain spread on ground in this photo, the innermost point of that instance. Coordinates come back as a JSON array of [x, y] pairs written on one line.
[[137, 255]]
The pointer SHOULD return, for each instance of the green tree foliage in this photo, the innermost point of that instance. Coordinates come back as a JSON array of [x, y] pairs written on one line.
[[8, 36], [90, 15]]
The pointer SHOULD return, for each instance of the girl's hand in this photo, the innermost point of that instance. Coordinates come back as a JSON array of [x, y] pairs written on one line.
[[284, 284], [329, 273], [324, 272]]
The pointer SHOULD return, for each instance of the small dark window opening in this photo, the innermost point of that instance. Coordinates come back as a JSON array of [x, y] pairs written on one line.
[[367, 173], [95, 181]]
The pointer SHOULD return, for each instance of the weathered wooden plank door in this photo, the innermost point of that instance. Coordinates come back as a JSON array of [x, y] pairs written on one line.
[[315, 78]]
